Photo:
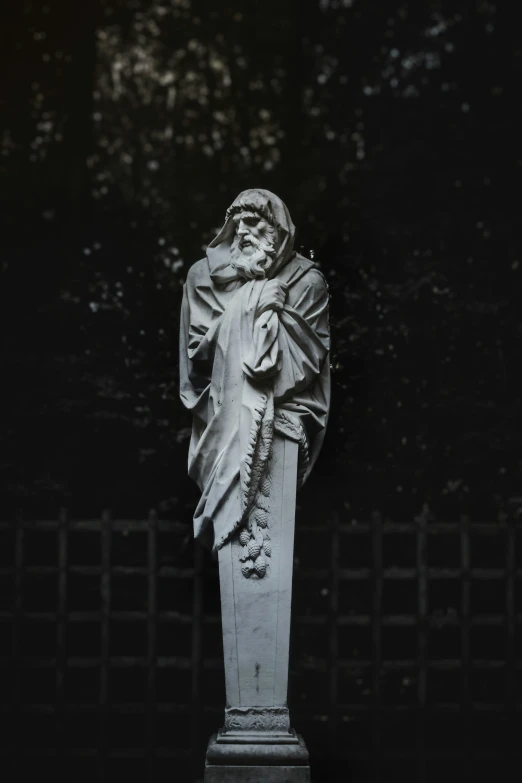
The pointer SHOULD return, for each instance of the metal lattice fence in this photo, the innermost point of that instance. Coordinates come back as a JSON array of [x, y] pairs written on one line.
[[404, 652]]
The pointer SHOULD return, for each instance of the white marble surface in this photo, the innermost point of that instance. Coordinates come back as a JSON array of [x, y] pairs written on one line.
[[256, 612], [254, 346], [254, 371]]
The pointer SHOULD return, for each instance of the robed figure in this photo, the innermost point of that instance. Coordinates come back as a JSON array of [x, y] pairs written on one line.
[[254, 361], [255, 374]]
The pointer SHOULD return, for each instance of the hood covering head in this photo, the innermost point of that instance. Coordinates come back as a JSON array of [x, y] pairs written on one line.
[[270, 207]]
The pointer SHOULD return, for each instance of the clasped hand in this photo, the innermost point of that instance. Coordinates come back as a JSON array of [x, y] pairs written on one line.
[[273, 297]]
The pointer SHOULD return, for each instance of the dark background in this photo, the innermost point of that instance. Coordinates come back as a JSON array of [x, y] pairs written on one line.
[[390, 130]]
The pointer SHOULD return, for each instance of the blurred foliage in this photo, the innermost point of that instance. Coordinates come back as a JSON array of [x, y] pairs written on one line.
[[389, 129]]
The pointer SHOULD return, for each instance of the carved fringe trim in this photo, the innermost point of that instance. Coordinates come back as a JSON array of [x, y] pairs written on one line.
[[255, 538], [258, 454], [291, 427]]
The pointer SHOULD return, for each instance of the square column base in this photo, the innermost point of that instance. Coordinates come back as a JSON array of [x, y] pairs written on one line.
[[258, 761], [271, 774]]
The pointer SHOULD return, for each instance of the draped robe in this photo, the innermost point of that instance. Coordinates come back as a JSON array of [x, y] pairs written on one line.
[[241, 375]]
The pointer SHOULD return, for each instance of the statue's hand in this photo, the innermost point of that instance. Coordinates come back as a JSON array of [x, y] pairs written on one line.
[[273, 297]]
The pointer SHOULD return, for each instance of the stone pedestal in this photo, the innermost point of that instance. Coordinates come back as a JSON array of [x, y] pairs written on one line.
[[257, 743], [256, 762]]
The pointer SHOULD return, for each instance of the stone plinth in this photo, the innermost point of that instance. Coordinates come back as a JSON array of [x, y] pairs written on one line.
[[257, 762], [257, 742]]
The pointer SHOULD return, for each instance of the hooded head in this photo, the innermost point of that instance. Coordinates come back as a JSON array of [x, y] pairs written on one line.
[[256, 241]]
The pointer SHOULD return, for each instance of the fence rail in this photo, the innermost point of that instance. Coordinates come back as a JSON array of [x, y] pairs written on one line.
[[143, 601]]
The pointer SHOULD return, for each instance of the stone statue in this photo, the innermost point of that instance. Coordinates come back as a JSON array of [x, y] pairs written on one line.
[[254, 371]]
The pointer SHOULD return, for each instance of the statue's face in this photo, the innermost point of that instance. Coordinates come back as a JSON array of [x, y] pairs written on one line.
[[252, 230], [254, 246]]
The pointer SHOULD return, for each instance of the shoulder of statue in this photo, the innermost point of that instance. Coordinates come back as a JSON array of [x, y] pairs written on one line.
[[302, 269], [198, 272]]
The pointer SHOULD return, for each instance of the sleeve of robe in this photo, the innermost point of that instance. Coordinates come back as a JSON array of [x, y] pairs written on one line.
[[304, 338], [291, 348], [201, 315], [303, 387]]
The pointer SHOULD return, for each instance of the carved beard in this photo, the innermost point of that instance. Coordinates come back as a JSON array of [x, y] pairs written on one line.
[[257, 264]]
